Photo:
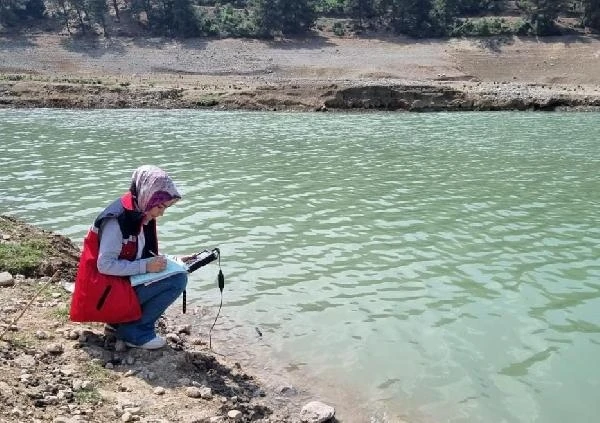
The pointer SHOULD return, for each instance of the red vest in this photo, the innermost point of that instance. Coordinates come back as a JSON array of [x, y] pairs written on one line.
[[106, 298]]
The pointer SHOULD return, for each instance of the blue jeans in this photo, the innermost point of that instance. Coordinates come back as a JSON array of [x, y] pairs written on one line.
[[154, 300]]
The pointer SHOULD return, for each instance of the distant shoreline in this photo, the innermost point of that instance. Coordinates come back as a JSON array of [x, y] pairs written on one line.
[[308, 74]]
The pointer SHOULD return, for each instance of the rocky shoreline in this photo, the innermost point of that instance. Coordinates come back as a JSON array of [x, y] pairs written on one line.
[[294, 96], [55, 370]]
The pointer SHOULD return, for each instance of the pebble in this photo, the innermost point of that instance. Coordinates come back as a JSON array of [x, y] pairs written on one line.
[[40, 334], [133, 410], [72, 335], [120, 346], [193, 392], [174, 338], [187, 329], [55, 349], [235, 415], [206, 393]]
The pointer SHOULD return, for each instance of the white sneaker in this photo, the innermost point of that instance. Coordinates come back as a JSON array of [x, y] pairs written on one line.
[[153, 344]]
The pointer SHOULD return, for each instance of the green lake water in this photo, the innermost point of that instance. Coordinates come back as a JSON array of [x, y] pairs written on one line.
[[419, 267]]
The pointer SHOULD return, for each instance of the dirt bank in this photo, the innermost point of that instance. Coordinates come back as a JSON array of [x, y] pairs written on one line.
[[58, 371], [322, 72]]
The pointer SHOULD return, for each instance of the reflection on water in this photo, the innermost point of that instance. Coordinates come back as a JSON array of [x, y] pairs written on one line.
[[432, 267]]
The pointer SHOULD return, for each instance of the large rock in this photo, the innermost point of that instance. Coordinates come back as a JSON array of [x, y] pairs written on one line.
[[316, 412], [6, 279]]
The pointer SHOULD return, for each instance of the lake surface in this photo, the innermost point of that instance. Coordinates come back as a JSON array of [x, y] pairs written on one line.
[[418, 267]]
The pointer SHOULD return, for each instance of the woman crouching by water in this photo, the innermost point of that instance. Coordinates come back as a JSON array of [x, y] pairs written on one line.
[[123, 242]]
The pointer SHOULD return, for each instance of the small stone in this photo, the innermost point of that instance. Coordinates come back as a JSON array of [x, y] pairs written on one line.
[[174, 338], [187, 329], [206, 393], [26, 377], [40, 334], [135, 411], [159, 390], [51, 400], [287, 390], [235, 415], [67, 371], [126, 417], [193, 392], [55, 349], [120, 346], [72, 335]]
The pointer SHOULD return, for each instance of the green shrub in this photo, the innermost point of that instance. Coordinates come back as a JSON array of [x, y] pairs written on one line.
[[22, 258]]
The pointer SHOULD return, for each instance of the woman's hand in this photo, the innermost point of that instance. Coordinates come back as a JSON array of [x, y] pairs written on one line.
[[156, 264], [185, 259]]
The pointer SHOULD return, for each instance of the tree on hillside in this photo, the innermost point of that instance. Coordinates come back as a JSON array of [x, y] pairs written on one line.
[[479, 7], [361, 9], [444, 13], [13, 12], [97, 11], [183, 19], [169, 17], [542, 15], [412, 17], [591, 13], [142, 11], [115, 6], [290, 17]]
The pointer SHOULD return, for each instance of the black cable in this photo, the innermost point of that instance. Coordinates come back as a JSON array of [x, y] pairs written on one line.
[[195, 264], [213, 325], [221, 283]]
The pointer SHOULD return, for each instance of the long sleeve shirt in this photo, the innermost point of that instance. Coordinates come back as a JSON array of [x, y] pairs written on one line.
[[111, 242]]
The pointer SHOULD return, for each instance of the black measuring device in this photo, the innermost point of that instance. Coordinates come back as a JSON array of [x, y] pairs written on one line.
[[197, 261]]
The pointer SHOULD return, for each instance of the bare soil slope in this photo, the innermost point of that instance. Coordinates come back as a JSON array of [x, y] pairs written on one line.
[[305, 74]]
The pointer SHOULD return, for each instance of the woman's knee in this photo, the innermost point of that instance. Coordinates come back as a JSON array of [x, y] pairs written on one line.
[[180, 281]]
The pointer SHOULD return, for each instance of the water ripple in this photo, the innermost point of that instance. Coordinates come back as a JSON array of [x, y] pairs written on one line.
[[446, 265]]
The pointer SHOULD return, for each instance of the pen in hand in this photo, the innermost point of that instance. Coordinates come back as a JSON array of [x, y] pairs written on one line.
[[156, 264]]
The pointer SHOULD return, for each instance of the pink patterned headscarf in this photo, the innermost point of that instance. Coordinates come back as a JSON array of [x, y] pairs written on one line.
[[152, 186]]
